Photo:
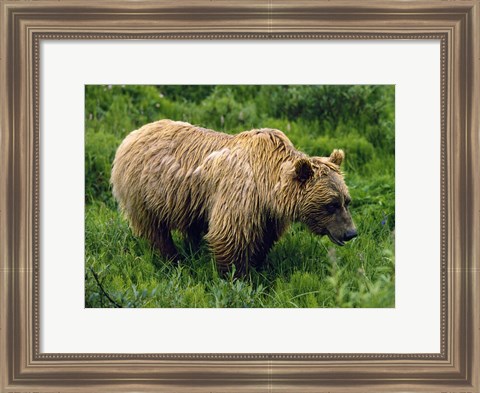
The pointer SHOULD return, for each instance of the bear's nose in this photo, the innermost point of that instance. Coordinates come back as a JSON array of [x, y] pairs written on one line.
[[350, 234]]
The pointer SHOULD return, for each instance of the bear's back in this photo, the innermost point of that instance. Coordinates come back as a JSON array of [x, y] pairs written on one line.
[[179, 171]]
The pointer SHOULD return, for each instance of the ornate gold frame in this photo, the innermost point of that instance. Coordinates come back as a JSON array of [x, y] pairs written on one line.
[[25, 23]]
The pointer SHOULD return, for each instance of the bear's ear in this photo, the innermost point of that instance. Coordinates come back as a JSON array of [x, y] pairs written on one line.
[[303, 170], [337, 157]]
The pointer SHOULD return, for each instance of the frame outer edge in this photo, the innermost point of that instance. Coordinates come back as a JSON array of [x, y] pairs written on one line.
[[15, 159], [465, 137], [474, 164], [6, 222], [3, 198]]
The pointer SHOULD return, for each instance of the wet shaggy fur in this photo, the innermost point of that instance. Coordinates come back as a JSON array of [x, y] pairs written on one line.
[[238, 191]]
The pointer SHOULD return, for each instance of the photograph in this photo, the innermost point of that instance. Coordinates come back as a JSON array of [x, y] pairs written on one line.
[[239, 196]]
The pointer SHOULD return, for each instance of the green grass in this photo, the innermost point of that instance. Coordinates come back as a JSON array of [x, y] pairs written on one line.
[[303, 270]]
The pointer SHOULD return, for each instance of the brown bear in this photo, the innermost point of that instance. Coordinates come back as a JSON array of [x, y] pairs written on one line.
[[240, 191]]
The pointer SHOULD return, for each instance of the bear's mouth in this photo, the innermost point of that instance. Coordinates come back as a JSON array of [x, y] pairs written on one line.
[[335, 240]]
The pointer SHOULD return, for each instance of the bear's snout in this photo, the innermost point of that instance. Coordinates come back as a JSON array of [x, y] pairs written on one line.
[[350, 234]]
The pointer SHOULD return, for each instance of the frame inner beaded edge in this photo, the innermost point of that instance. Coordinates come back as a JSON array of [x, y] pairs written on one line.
[[37, 37]]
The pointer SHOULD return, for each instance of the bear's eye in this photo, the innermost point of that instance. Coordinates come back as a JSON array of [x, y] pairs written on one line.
[[347, 202], [332, 207]]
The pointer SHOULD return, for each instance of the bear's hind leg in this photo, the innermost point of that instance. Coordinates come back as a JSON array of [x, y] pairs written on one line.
[[163, 242]]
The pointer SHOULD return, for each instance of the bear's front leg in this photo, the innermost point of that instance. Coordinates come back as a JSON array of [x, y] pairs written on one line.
[[232, 240], [226, 256], [194, 235]]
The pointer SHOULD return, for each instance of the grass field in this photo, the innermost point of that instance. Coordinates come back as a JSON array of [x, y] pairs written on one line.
[[303, 270]]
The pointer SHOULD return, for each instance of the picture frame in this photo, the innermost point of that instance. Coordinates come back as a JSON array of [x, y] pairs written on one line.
[[23, 368]]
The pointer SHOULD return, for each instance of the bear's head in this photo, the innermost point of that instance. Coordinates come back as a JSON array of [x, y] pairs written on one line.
[[323, 204]]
